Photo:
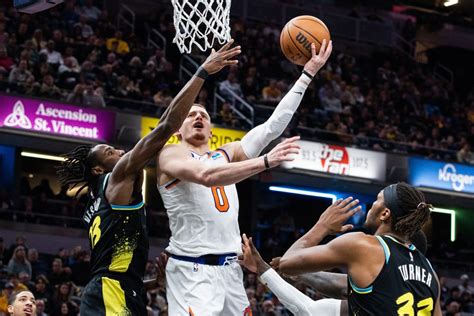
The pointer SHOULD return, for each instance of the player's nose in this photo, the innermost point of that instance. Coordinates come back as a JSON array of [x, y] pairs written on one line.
[[121, 153]]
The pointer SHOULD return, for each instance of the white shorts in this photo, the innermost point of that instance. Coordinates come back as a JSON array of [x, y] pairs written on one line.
[[205, 290]]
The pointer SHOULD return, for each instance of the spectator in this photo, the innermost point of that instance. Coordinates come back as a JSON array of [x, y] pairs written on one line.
[[5, 296], [77, 95], [250, 89], [6, 63], [40, 307], [41, 290], [227, 116], [453, 309], [89, 11], [158, 59], [64, 309], [465, 155], [38, 41], [25, 279], [85, 29], [117, 44], [18, 263], [19, 241], [93, 98], [48, 89], [465, 287], [38, 266], [69, 73], [54, 57], [58, 39], [331, 103], [271, 92], [230, 86], [58, 273], [20, 74]]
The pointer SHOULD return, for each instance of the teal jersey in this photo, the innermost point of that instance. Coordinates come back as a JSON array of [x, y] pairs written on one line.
[[406, 285]]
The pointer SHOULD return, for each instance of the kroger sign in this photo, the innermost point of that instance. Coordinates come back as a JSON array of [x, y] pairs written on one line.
[[55, 118], [441, 175]]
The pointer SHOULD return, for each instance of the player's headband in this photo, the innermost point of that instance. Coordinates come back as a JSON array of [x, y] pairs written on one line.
[[391, 201]]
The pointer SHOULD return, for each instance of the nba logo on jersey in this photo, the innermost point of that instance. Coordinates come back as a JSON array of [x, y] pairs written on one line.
[[195, 267], [411, 256]]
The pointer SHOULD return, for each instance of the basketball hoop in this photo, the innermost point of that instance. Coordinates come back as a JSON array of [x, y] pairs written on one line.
[[200, 23]]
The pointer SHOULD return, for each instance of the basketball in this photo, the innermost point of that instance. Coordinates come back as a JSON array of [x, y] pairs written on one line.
[[298, 34]]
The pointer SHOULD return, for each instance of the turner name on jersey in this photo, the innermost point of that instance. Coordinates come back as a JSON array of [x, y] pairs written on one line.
[[414, 272]]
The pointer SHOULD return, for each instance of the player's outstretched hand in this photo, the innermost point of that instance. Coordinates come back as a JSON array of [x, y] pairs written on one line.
[[221, 58], [284, 151], [161, 262], [275, 263], [318, 60], [337, 214], [251, 258]]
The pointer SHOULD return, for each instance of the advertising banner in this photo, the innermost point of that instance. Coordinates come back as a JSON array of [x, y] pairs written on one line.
[[220, 136], [56, 118], [441, 175], [340, 160]]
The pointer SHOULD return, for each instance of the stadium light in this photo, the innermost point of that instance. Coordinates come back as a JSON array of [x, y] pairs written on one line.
[[452, 213], [449, 3], [59, 158], [41, 156], [303, 192]]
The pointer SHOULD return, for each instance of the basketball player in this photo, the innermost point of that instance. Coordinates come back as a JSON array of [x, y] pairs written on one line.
[[115, 215], [22, 304], [198, 190], [387, 275], [333, 285]]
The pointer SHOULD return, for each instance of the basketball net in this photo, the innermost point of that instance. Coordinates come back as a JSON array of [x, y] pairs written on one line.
[[200, 23]]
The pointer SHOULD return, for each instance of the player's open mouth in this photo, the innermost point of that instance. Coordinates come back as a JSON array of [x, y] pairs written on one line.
[[198, 125], [28, 311]]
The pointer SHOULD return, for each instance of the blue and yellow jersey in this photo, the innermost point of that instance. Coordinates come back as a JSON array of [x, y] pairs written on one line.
[[118, 236]]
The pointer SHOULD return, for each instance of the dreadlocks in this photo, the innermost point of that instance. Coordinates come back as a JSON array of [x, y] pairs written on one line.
[[412, 202], [76, 168]]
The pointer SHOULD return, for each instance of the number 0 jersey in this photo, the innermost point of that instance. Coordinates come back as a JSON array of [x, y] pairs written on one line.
[[117, 235], [406, 285], [202, 220]]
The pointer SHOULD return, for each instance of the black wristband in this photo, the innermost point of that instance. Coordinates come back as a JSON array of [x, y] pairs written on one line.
[[308, 74], [202, 73], [265, 160]]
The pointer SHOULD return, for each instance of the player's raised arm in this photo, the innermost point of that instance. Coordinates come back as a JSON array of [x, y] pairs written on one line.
[[149, 146], [306, 256], [292, 298], [259, 137], [176, 162]]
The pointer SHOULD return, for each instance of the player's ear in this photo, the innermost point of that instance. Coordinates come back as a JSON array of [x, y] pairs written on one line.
[[178, 134], [10, 309], [385, 215], [97, 171]]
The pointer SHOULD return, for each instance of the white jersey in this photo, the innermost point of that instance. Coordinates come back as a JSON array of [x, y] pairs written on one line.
[[202, 220]]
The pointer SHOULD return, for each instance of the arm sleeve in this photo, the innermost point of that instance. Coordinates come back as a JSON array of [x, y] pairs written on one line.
[[291, 298], [259, 137]]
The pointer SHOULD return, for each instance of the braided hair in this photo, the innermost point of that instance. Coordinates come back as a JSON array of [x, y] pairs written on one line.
[[416, 210], [76, 169]]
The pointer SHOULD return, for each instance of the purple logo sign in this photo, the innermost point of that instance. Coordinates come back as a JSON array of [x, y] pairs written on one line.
[[56, 118]]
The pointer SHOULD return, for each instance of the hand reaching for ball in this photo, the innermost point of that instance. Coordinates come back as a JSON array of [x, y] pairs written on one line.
[[318, 60]]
